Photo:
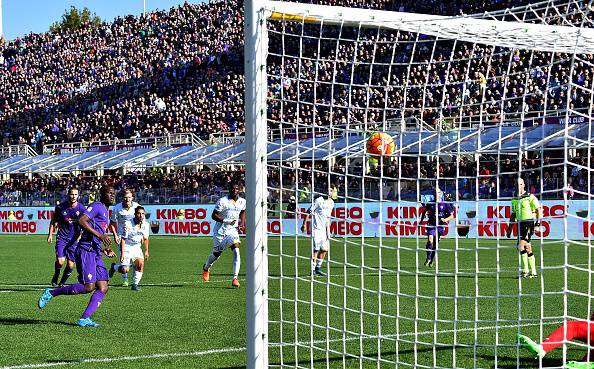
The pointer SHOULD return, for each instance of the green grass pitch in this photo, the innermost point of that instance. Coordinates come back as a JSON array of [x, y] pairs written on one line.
[[464, 313]]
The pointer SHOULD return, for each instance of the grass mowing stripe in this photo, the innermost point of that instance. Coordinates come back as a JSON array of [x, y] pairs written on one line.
[[241, 349]]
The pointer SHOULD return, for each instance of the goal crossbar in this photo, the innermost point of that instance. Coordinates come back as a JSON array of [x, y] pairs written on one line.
[[514, 35]]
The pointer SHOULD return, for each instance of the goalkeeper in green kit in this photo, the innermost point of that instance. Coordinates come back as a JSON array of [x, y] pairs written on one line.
[[527, 212]]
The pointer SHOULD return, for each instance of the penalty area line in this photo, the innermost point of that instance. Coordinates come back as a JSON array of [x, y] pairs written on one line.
[[125, 358], [242, 349]]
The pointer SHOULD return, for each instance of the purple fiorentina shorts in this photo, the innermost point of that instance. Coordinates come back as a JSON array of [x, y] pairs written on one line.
[[89, 265]]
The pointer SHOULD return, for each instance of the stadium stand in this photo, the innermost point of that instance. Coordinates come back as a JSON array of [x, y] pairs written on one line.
[[181, 71]]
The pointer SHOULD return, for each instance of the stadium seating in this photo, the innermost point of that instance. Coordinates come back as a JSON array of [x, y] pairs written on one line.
[[181, 70]]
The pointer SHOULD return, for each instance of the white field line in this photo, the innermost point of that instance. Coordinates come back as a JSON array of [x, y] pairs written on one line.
[[241, 349]]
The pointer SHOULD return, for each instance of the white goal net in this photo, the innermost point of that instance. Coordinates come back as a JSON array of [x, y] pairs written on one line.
[[463, 108]]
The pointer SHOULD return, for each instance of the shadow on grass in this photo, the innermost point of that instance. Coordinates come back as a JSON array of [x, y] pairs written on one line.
[[334, 359], [511, 362], [27, 321]]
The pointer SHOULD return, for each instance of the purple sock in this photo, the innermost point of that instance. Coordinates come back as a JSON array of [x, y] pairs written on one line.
[[66, 274], [430, 250], [57, 268], [73, 289], [96, 299]]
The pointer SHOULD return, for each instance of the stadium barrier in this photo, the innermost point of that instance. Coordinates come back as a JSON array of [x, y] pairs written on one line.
[[485, 219]]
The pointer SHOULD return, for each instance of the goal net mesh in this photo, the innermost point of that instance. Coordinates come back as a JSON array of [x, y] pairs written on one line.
[[472, 103]]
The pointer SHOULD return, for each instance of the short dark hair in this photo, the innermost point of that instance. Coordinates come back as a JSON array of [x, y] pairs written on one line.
[[73, 188], [105, 189], [139, 207]]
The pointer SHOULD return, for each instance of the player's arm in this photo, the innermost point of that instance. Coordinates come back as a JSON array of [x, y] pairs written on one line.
[[242, 220], [423, 213], [307, 215], [52, 228], [113, 227], [83, 221], [122, 248], [449, 217], [311, 209], [537, 208], [113, 224], [217, 217], [146, 248], [145, 240]]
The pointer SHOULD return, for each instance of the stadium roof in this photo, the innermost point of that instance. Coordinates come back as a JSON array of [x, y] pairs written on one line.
[[511, 139]]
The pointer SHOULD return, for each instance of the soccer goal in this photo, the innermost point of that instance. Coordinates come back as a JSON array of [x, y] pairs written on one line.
[[403, 139]]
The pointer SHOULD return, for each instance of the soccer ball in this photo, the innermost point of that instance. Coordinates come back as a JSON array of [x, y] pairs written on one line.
[[380, 143]]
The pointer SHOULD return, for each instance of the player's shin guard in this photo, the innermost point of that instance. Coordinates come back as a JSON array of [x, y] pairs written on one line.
[[137, 277], [524, 256], [236, 262], [319, 263], [430, 247], [57, 268], [73, 289], [211, 259], [94, 303], [66, 274], [532, 263]]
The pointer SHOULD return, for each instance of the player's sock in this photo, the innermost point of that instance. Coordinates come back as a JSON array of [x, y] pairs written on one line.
[[125, 277], [532, 263], [319, 263], [66, 274], [313, 264], [430, 251], [524, 255], [210, 261], [137, 277], [571, 330], [236, 262], [73, 289], [94, 303], [57, 268]]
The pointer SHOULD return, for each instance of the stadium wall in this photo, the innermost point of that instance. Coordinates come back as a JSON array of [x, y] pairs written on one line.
[[487, 219]]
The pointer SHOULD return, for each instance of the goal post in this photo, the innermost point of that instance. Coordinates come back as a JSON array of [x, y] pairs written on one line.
[[472, 103], [256, 43]]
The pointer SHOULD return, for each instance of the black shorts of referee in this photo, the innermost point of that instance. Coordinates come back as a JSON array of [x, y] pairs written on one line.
[[526, 230]]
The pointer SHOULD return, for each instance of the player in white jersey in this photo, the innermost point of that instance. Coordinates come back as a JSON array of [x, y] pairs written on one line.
[[135, 234], [320, 211], [229, 214], [123, 212]]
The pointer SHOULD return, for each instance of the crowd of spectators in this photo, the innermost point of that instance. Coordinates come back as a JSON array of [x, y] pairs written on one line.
[[151, 187], [170, 71], [181, 70]]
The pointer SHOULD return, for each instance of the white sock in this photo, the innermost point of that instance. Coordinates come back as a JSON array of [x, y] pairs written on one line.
[[210, 261], [137, 277], [125, 276], [236, 262], [319, 263], [313, 264]]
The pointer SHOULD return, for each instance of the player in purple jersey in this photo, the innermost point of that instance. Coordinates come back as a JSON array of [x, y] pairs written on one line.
[[92, 274], [65, 220], [437, 221]]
